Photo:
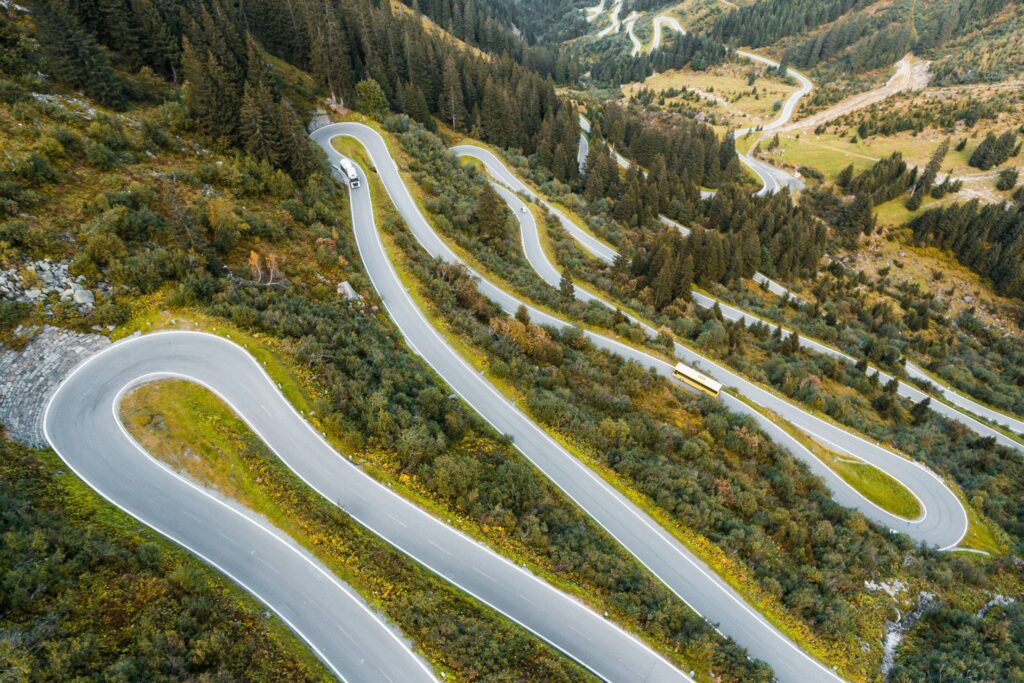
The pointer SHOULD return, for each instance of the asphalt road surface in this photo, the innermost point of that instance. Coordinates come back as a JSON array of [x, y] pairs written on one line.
[[662, 554], [943, 521], [82, 425]]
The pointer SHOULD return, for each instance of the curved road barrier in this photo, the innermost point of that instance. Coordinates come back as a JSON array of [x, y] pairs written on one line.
[[82, 425]]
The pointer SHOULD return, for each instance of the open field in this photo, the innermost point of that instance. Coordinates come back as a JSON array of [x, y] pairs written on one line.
[[831, 152], [724, 92]]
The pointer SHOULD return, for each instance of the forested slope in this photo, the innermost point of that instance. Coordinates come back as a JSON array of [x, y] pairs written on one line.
[[194, 182], [169, 210], [970, 39]]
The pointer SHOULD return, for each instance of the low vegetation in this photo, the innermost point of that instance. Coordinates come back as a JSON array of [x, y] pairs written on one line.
[[871, 482], [192, 430], [86, 592]]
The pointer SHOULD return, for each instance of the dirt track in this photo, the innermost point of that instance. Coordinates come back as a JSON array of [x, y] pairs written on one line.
[[911, 74]]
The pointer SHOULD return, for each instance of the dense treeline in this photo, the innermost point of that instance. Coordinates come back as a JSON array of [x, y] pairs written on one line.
[[674, 149], [947, 114], [989, 53], [750, 233], [792, 238], [855, 40], [853, 215], [494, 26], [85, 595], [994, 150], [339, 42], [613, 66], [765, 22], [988, 238], [540, 22]]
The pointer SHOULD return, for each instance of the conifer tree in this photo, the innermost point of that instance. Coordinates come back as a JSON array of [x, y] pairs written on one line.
[[450, 103], [566, 287], [490, 214], [73, 54], [371, 100], [258, 125]]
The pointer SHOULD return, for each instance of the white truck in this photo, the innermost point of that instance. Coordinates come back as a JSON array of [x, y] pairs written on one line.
[[348, 169]]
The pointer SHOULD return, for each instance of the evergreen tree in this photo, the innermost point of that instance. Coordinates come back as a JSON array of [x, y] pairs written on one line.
[[845, 177], [994, 150], [927, 179], [451, 104], [327, 53], [490, 214], [566, 287], [259, 126], [371, 100], [73, 54]]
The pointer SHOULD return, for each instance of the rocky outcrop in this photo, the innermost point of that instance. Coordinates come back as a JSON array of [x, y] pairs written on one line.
[[30, 375], [37, 280]]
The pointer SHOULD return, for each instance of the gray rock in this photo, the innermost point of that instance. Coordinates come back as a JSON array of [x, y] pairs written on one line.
[[84, 296], [29, 376]]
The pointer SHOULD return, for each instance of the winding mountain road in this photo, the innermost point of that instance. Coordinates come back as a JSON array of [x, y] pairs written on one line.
[[943, 521], [772, 179], [83, 426], [671, 562], [954, 405]]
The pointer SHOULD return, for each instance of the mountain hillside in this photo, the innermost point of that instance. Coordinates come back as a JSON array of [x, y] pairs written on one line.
[[640, 177]]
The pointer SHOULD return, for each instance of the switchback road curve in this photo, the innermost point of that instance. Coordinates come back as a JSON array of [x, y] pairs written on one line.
[[772, 179], [955, 405], [964, 408], [943, 521], [678, 568], [82, 425]]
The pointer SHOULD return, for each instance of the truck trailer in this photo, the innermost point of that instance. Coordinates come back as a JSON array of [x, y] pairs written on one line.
[[348, 169]]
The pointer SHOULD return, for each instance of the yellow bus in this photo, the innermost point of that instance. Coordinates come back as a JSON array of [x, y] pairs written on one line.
[[697, 380]]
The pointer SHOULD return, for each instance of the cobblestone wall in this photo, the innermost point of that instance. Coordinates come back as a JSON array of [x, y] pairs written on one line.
[[29, 376]]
